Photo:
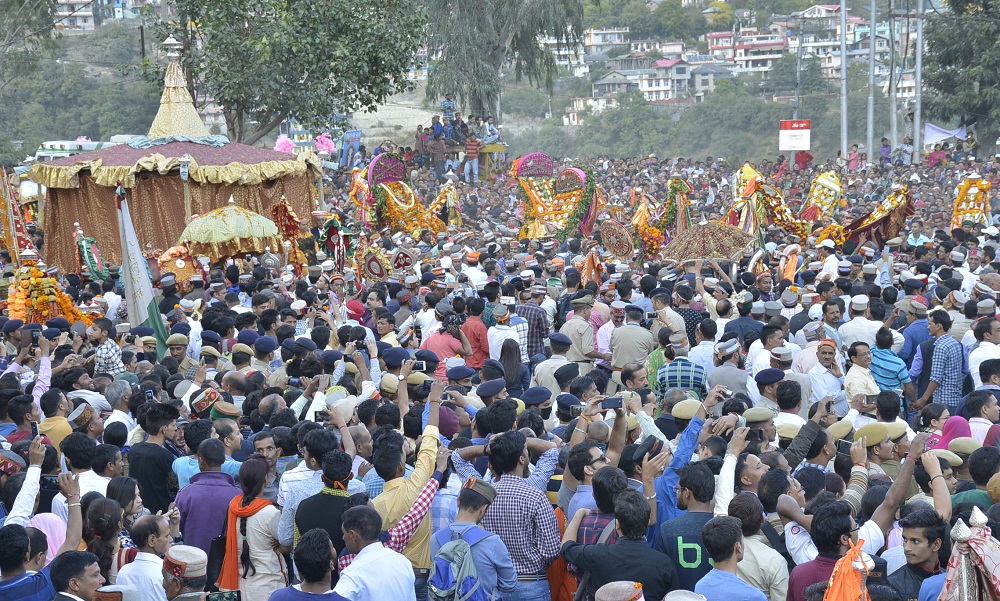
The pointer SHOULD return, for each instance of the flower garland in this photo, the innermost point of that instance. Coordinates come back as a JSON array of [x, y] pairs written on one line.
[[579, 216], [835, 232], [35, 297], [974, 207]]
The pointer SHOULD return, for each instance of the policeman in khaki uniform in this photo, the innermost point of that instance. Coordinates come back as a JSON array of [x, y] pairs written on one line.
[[581, 333], [630, 343], [177, 347]]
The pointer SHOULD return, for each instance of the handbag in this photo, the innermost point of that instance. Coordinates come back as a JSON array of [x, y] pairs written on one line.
[[216, 555], [585, 579]]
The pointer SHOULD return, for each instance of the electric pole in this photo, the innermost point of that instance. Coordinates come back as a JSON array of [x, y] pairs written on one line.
[[843, 79], [918, 138], [870, 133]]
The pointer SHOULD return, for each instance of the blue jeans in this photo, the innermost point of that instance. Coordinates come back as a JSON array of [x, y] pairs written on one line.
[[420, 588], [529, 591]]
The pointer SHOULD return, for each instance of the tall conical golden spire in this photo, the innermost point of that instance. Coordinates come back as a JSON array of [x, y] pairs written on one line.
[[176, 115]]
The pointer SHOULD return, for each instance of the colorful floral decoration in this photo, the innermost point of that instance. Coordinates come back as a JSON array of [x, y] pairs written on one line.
[[337, 242], [825, 197], [835, 232], [973, 202], [886, 221], [88, 255], [325, 144], [284, 144], [657, 224], [360, 195], [759, 204], [35, 297], [288, 230], [443, 210], [584, 214]]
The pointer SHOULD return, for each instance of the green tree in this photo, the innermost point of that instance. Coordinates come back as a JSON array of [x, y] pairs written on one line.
[[781, 77], [308, 60], [25, 30], [723, 19], [680, 22], [961, 65], [474, 41], [113, 44]]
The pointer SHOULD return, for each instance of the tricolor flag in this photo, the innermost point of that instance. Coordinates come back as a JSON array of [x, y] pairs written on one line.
[[142, 308]]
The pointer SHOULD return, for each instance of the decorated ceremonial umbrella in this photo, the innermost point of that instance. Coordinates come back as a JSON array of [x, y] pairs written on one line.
[[230, 231], [705, 241]]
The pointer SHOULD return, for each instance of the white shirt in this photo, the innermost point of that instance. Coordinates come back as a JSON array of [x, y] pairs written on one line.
[[297, 474], [985, 350], [377, 574], [830, 265], [93, 398], [859, 329], [89, 482], [496, 337], [114, 301], [824, 383], [120, 416], [476, 275], [703, 354], [788, 418], [144, 574]]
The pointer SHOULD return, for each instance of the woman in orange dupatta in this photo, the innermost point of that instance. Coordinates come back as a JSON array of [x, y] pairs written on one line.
[[253, 563]]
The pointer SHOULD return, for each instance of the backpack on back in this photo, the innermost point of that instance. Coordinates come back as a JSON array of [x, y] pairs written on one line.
[[453, 574]]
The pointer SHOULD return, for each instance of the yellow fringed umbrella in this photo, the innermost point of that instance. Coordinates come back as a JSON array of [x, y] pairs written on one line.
[[230, 231]]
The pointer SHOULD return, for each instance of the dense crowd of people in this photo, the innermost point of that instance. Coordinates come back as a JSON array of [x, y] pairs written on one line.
[[495, 423]]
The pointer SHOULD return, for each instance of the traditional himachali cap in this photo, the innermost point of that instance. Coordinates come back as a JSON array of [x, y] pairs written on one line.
[[781, 353], [769, 376], [868, 269], [678, 340], [874, 434], [757, 308], [116, 592], [964, 445], [859, 302], [81, 416], [772, 308], [623, 590], [224, 410], [726, 348], [185, 561], [482, 487], [844, 266], [986, 307], [840, 430], [204, 400], [789, 298]]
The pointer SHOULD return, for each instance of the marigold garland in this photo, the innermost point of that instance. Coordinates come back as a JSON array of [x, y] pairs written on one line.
[[34, 297]]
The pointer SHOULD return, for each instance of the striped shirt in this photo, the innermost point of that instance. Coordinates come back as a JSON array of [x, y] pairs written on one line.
[[888, 369], [948, 370]]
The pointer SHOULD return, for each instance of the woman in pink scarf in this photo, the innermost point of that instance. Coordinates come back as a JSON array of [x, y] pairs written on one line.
[[956, 427], [55, 532]]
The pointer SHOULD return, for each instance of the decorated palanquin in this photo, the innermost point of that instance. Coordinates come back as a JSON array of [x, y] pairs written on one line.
[[35, 296], [443, 210], [882, 224], [13, 236], [653, 220], [384, 200], [973, 202], [825, 197], [759, 204], [561, 206]]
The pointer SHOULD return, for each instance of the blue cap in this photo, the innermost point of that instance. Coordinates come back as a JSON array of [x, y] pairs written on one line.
[[568, 400], [331, 357], [51, 333], [59, 323], [288, 344], [141, 331], [382, 346], [460, 372], [247, 337], [181, 328], [491, 388], [536, 395], [305, 343], [265, 344], [426, 356], [427, 277], [12, 325], [210, 336], [32, 326], [394, 356], [560, 338], [769, 376]]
